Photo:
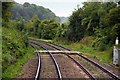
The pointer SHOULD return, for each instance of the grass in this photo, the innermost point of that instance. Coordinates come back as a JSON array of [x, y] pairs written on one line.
[[15, 51], [13, 70], [37, 47], [13, 46], [84, 47], [101, 56], [40, 39]]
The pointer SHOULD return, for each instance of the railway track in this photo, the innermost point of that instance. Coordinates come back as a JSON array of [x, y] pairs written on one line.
[[115, 77], [56, 65], [58, 47], [38, 72], [38, 66], [81, 66]]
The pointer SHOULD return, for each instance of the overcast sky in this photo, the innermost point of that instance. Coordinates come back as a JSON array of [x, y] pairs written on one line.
[[59, 7]]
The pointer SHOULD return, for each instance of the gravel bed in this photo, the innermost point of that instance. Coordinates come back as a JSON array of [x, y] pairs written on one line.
[[48, 69], [112, 68], [69, 69], [94, 70]]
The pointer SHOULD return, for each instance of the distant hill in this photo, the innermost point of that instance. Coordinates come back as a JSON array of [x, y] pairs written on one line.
[[27, 11], [63, 19]]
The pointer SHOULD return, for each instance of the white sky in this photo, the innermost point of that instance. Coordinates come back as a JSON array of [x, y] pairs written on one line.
[[59, 7]]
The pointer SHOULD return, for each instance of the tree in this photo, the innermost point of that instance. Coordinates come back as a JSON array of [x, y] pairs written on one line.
[[75, 29], [20, 24], [48, 29], [6, 7], [27, 11], [95, 19], [36, 22], [26, 4]]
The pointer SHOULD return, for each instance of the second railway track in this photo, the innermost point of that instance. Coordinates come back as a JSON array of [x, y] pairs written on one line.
[[68, 68], [108, 72], [49, 46]]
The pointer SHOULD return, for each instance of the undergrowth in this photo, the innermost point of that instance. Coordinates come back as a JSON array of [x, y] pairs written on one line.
[[15, 50], [14, 70]]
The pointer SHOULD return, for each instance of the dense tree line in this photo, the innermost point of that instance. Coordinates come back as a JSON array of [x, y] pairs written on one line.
[[97, 19], [27, 11], [45, 29], [14, 42], [101, 20]]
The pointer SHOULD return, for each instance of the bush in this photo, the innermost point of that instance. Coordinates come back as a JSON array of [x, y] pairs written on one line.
[[87, 40], [102, 47], [99, 44], [14, 45]]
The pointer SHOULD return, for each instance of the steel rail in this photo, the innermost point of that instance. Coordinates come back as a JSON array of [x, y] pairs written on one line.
[[83, 68], [38, 66], [55, 62], [115, 77], [80, 65], [57, 66]]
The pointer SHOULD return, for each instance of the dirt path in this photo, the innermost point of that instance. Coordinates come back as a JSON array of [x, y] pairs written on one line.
[[29, 68]]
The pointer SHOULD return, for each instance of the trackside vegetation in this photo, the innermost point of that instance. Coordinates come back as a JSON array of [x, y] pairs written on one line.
[[15, 69], [101, 22], [84, 46], [15, 48], [91, 29]]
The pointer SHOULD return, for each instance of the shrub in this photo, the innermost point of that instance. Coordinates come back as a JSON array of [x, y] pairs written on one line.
[[102, 47]]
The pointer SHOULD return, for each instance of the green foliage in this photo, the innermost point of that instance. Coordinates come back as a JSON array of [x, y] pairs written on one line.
[[93, 26], [27, 11], [45, 29], [32, 26], [61, 31], [13, 46], [6, 10], [6, 6], [48, 29], [101, 56], [14, 69], [87, 40], [14, 43], [95, 19], [76, 30]]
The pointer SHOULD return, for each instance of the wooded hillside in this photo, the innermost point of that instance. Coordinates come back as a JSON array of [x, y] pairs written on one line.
[[27, 11]]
